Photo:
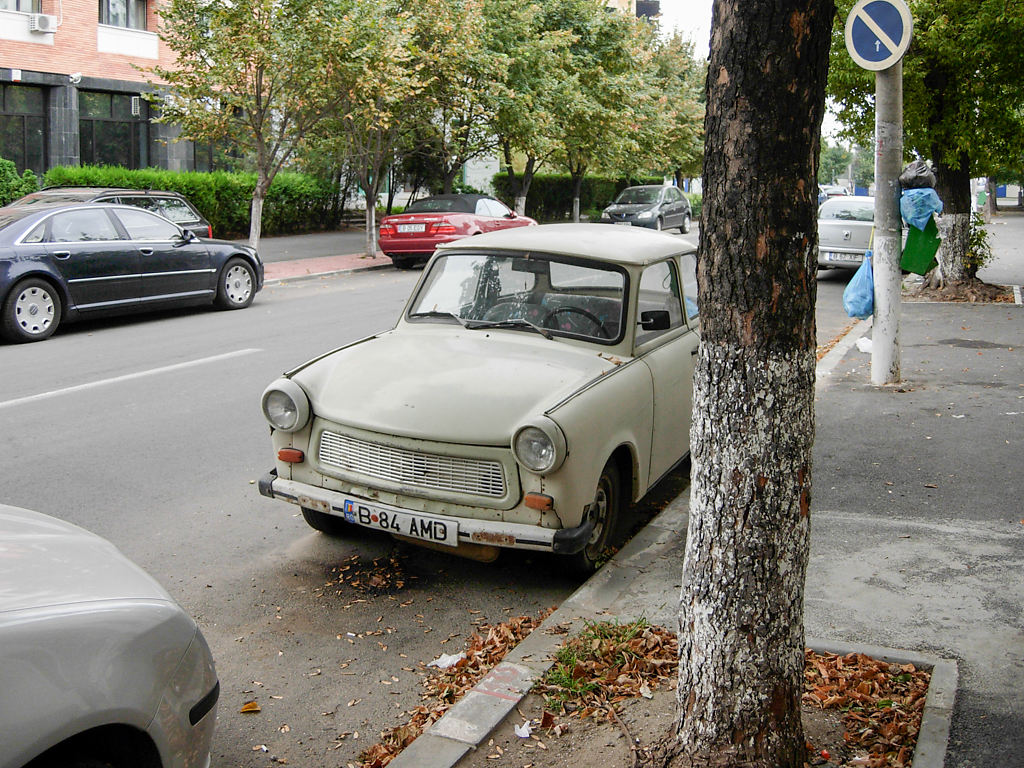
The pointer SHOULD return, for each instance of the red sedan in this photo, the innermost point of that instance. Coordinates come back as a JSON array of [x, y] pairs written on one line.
[[412, 236]]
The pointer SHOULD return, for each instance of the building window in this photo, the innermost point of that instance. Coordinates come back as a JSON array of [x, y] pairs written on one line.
[[23, 126], [113, 129], [25, 6], [123, 13]]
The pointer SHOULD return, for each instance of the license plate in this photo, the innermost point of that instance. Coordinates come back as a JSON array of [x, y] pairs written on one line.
[[843, 256], [624, 223], [412, 227], [416, 526]]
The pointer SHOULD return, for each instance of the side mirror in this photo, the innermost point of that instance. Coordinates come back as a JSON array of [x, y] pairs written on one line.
[[511, 215], [655, 320]]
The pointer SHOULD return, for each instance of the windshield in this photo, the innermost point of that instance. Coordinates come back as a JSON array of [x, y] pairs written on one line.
[[638, 195], [524, 293]]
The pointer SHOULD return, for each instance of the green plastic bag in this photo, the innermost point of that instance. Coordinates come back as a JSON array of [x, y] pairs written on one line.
[[919, 250]]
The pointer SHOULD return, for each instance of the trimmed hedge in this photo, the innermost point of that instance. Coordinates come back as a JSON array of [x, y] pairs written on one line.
[[13, 186], [295, 202], [550, 196]]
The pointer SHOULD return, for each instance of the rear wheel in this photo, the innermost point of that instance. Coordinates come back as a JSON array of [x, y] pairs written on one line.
[[685, 226], [324, 523], [237, 285], [605, 513], [31, 311]]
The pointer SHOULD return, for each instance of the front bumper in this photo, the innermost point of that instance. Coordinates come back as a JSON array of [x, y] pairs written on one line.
[[562, 541]]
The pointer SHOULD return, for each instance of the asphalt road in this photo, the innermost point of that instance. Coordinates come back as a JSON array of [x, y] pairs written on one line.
[[147, 430]]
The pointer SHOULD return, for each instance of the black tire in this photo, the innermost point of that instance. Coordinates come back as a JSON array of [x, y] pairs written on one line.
[[31, 311], [329, 524], [685, 226], [606, 512], [403, 262], [658, 224], [236, 286]]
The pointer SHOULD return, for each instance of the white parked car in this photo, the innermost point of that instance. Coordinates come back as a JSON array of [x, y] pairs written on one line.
[[99, 667], [844, 231], [538, 380]]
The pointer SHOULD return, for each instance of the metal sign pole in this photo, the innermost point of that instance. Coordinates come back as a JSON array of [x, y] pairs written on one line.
[[878, 34], [885, 345]]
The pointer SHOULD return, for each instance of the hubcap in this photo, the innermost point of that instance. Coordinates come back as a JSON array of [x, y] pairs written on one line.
[[238, 285], [599, 512], [34, 310]]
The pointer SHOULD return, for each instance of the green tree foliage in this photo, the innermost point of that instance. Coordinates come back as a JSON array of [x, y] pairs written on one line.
[[249, 73], [601, 115], [13, 186], [833, 163], [963, 107]]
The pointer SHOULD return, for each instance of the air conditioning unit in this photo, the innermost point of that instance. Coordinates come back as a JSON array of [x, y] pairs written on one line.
[[41, 22]]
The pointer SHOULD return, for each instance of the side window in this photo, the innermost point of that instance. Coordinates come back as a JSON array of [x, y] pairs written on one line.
[[37, 235], [482, 208], [689, 263], [82, 225], [142, 225], [659, 291], [497, 209]]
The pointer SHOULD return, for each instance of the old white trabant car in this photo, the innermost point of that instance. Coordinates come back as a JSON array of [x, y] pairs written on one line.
[[538, 380]]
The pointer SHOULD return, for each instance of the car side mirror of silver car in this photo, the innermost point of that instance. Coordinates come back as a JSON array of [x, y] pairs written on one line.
[[655, 320]]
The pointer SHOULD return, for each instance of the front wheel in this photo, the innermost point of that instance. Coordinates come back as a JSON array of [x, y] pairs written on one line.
[[31, 311], [658, 224], [329, 524], [237, 286], [604, 512]]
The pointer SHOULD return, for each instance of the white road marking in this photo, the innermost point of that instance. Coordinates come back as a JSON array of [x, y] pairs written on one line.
[[126, 377]]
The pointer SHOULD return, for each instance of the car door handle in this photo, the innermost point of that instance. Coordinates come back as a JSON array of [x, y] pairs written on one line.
[[146, 251], [62, 254]]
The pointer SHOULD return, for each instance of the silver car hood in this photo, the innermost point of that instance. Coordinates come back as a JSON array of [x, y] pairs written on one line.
[[448, 384], [46, 562]]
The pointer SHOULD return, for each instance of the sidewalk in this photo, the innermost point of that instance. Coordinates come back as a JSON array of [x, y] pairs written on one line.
[[917, 537]]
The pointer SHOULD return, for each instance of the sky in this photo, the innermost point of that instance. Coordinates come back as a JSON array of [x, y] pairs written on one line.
[[692, 18]]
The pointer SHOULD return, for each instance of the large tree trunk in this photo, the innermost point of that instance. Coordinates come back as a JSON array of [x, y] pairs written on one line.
[[741, 643], [953, 185]]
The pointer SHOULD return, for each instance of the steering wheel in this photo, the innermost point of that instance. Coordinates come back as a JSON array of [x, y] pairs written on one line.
[[602, 331]]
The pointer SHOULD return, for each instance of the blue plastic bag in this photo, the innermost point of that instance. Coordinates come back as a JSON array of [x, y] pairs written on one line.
[[859, 294], [918, 205]]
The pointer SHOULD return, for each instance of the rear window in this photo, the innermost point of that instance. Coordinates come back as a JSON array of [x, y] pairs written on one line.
[[844, 209], [440, 205]]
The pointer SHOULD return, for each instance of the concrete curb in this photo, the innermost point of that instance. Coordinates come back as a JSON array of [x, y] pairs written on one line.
[[326, 273]]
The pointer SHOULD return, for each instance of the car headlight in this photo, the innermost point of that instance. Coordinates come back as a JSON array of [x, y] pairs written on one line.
[[605, 215], [285, 405], [645, 214], [539, 446]]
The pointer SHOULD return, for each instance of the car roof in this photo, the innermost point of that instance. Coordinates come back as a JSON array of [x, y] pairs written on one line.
[[12, 214], [72, 188], [602, 242]]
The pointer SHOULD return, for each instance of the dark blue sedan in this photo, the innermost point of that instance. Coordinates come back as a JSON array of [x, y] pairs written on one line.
[[66, 262]]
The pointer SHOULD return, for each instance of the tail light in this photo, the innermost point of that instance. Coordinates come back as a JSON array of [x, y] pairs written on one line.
[[442, 228], [209, 231], [387, 229]]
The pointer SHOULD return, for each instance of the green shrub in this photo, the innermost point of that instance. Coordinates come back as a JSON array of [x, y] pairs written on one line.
[[696, 203], [13, 186], [295, 202]]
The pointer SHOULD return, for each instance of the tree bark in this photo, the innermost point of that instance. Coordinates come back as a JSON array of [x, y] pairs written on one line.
[[741, 640], [953, 185]]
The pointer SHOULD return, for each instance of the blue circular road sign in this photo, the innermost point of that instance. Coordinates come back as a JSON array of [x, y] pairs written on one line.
[[878, 32]]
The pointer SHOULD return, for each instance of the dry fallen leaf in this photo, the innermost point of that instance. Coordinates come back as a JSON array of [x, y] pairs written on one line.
[[249, 707]]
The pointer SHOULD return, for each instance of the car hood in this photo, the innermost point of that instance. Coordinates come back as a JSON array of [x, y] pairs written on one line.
[[630, 208], [46, 562], [448, 384]]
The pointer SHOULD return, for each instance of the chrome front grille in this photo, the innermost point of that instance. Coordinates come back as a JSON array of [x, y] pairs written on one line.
[[478, 477]]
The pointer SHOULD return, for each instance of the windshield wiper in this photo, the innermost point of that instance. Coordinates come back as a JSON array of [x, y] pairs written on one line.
[[514, 322], [435, 313]]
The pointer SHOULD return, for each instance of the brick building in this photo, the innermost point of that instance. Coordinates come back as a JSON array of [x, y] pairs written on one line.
[[70, 90]]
